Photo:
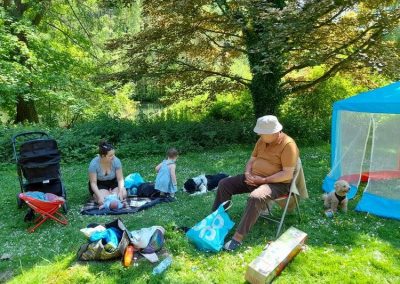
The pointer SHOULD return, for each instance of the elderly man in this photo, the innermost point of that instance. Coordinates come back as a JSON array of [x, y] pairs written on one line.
[[267, 175]]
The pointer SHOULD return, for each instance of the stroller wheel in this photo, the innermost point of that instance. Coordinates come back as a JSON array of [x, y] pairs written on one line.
[[30, 215], [65, 207], [19, 202]]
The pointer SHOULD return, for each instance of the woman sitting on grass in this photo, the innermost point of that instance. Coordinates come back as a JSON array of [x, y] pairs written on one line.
[[105, 175]]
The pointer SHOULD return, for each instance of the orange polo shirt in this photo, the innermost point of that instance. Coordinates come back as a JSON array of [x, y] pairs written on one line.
[[273, 157]]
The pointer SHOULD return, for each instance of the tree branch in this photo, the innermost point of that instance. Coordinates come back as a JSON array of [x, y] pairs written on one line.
[[83, 27], [238, 79], [336, 67], [223, 46], [321, 24], [333, 52], [72, 39], [220, 32], [220, 6], [79, 21]]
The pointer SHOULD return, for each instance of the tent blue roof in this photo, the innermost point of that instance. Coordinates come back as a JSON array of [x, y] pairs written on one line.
[[381, 100]]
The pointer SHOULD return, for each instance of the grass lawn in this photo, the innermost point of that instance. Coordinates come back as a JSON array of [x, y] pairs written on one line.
[[350, 248]]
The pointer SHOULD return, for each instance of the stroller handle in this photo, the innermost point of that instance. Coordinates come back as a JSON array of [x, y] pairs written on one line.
[[29, 133], [39, 134]]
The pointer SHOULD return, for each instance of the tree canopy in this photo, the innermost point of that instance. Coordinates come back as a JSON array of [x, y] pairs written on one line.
[[50, 55], [65, 60], [192, 45]]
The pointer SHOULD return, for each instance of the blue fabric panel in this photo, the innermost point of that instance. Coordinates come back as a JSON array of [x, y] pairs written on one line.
[[353, 191], [381, 100], [329, 184], [336, 146], [379, 206]]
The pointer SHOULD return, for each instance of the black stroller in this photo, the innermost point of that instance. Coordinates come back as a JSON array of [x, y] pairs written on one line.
[[38, 164]]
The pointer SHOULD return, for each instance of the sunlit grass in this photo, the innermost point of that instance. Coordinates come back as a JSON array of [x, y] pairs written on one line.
[[350, 248]]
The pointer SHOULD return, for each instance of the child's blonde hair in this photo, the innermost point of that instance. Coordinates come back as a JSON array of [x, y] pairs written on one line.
[[172, 153]]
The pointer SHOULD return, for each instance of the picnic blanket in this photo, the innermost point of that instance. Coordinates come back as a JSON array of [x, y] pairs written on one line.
[[135, 204]]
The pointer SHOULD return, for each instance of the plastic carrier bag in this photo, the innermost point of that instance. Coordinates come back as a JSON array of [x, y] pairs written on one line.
[[209, 234], [133, 180]]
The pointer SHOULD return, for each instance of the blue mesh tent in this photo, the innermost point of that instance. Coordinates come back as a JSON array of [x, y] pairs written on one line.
[[366, 147]]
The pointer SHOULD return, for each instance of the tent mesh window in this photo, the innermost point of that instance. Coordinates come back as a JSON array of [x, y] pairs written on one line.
[[384, 170], [366, 147]]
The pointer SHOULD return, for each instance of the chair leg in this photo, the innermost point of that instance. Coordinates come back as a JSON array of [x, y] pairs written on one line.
[[283, 216], [269, 207], [298, 207]]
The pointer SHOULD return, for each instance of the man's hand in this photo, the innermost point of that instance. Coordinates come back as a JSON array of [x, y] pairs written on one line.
[[254, 180]]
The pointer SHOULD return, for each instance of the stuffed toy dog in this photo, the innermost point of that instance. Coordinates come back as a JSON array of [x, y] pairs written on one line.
[[337, 198]]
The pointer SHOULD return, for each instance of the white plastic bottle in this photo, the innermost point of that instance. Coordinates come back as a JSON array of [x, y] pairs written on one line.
[[162, 265]]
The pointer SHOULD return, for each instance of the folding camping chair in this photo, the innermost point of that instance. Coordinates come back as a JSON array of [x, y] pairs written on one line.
[[287, 202], [45, 209]]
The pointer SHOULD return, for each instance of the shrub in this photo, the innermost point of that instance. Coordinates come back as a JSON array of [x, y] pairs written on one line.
[[232, 107], [144, 137], [225, 106], [307, 116]]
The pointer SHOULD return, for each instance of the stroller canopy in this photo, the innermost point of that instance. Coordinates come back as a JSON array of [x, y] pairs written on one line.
[[40, 160], [366, 147]]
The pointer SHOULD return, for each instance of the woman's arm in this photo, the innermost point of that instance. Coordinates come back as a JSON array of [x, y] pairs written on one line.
[[95, 189], [121, 184]]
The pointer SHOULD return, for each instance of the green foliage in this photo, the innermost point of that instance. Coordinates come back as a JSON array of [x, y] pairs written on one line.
[[227, 106], [51, 54], [232, 107], [79, 143], [307, 116], [191, 47]]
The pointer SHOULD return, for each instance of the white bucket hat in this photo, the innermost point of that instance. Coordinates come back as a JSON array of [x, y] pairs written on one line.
[[267, 124]]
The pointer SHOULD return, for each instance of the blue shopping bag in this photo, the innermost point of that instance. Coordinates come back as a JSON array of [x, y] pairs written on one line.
[[209, 234]]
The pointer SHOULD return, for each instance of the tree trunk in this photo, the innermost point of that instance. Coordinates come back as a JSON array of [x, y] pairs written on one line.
[[266, 94], [26, 111], [265, 86]]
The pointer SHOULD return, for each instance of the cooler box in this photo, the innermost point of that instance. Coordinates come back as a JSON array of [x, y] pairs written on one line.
[[276, 256]]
